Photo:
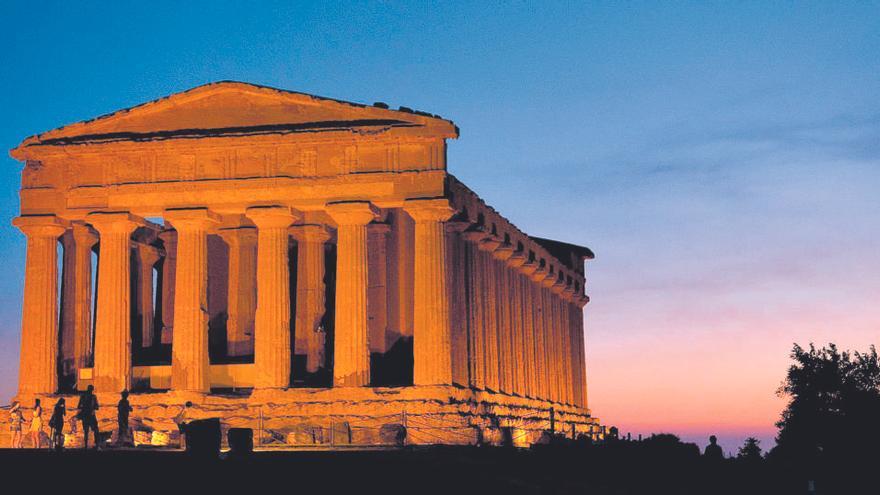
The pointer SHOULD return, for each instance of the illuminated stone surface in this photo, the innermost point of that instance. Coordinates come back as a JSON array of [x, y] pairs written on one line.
[[358, 286]]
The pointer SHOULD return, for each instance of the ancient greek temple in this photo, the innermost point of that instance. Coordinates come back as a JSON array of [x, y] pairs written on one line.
[[280, 259]]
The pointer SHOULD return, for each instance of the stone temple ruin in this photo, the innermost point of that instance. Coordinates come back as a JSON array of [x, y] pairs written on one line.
[[298, 265]]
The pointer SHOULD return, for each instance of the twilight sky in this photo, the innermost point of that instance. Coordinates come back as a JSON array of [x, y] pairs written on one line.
[[723, 161]]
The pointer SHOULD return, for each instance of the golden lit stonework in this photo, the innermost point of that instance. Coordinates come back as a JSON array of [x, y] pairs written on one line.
[[292, 263]]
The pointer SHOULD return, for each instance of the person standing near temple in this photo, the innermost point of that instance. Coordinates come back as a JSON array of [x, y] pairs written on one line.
[[182, 421], [56, 425], [88, 407], [37, 425], [123, 408], [15, 421]]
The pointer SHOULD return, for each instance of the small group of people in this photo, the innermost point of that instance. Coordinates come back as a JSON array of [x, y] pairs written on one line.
[[87, 409]]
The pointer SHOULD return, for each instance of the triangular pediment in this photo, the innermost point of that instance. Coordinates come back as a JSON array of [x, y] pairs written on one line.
[[234, 108]]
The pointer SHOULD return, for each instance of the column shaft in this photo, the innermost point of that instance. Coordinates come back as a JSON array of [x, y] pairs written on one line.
[[112, 372], [242, 290], [432, 333], [272, 345], [310, 300], [39, 327], [169, 269], [351, 355], [147, 258], [190, 363]]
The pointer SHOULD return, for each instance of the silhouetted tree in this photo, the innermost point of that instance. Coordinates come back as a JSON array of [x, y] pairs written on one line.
[[831, 422], [751, 450]]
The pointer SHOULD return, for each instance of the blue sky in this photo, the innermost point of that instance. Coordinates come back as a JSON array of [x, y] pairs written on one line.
[[722, 159]]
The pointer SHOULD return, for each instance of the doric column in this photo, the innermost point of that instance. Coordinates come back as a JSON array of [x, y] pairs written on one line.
[[76, 299], [112, 372], [147, 258], [272, 356], [351, 355], [582, 300], [377, 296], [518, 320], [432, 337], [169, 265], [490, 311], [242, 298], [477, 295], [532, 329], [567, 350], [310, 303], [190, 365], [508, 372], [39, 318]]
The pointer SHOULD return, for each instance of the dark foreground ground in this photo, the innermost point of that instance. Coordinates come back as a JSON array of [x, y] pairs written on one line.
[[453, 470]]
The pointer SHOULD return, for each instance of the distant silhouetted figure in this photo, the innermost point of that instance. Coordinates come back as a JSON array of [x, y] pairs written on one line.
[[713, 450], [182, 420], [87, 408], [122, 409], [56, 424]]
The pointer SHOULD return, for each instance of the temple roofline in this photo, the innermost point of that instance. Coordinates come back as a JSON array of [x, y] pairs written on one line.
[[380, 113]]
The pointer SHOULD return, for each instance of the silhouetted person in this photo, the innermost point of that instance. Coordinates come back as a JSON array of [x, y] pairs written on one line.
[[87, 409], [56, 424], [182, 420], [122, 409], [713, 450]]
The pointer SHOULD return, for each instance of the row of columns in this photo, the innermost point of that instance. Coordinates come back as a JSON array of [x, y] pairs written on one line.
[[188, 316], [526, 324]]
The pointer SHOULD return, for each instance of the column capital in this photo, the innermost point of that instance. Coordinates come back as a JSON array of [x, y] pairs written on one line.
[[475, 234], [352, 212], [503, 252], [429, 210], [148, 254], [41, 225], [528, 268], [539, 274], [268, 217], [169, 238], [310, 233], [582, 300], [83, 235], [549, 278], [516, 259], [191, 219], [241, 235], [489, 243], [114, 222]]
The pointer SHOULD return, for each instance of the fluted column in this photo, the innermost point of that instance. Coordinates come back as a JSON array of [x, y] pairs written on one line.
[[169, 268], [39, 318], [272, 353], [351, 355], [147, 258], [242, 298], [432, 335], [190, 364], [112, 372], [490, 312], [532, 328], [580, 301], [377, 292], [476, 297], [310, 300], [76, 299]]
